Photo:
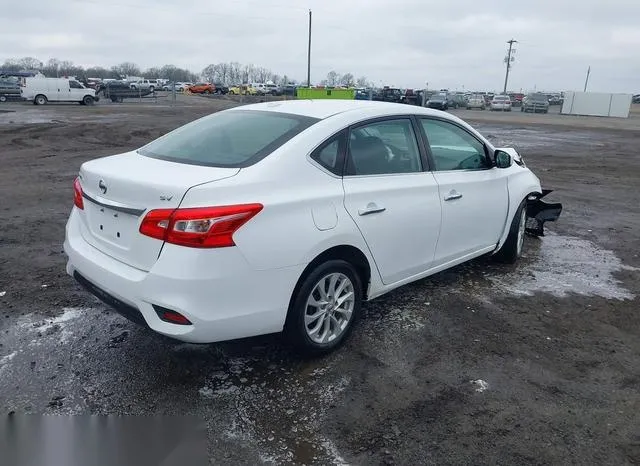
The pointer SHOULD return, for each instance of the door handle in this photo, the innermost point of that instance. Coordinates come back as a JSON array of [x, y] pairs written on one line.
[[453, 195], [372, 208]]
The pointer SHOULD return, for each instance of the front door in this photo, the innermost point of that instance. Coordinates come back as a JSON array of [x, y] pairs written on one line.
[[392, 200], [473, 193], [76, 91]]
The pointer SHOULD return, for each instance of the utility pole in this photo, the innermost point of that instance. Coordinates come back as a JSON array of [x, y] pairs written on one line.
[[309, 54], [508, 59], [586, 81]]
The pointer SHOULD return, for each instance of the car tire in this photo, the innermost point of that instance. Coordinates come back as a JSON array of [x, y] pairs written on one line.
[[3, 98], [87, 100], [512, 248], [332, 324], [40, 100]]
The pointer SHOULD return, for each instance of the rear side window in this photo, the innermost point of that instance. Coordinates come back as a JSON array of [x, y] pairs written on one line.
[[329, 154], [228, 139]]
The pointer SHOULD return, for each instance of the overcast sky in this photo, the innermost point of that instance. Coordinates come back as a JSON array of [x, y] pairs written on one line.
[[404, 43]]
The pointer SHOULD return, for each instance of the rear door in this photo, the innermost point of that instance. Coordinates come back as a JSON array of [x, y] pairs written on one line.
[[391, 198], [472, 191]]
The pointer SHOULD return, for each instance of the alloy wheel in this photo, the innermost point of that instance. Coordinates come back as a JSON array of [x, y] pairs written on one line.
[[329, 308]]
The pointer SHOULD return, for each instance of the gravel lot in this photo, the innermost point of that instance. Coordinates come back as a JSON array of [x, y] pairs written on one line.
[[536, 363]]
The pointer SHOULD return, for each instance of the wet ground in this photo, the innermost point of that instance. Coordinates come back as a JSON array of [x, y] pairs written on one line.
[[535, 363]]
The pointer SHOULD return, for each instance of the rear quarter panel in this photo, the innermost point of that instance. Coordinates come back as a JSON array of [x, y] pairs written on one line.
[[292, 190]]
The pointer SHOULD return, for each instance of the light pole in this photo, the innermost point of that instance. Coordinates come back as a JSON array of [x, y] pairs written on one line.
[[508, 59], [309, 54]]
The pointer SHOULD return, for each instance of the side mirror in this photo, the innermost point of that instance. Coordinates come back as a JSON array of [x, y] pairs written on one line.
[[502, 159]]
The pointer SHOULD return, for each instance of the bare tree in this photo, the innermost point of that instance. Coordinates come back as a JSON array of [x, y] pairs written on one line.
[[347, 80], [150, 73], [30, 63], [98, 72], [126, 69], [333, 78], [209, 73], [362, 81]]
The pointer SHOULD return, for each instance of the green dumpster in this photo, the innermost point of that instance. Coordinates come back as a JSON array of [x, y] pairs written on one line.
[[322, 93]]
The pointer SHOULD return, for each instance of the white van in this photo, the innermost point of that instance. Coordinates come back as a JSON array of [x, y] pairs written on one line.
[[43, 90]]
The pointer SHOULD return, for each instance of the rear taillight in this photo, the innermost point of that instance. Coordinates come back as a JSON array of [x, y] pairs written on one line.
[[77, 194], [200, 227]]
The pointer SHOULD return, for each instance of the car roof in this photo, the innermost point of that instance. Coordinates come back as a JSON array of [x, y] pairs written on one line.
[[322, 109]]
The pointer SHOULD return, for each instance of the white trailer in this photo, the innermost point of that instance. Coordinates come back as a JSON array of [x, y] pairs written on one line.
[[596, 104], [42, 90]]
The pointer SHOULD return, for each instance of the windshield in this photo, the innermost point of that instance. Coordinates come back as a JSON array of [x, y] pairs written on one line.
[[228, 139], [538, 97]]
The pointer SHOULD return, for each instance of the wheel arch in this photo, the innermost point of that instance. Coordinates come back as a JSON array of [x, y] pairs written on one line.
[[516, 196], [345, 252]]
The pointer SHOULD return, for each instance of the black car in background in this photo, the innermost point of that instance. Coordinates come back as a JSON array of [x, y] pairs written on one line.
[[636, 99], [389, 94], [221, 88], [535, 102], [439, 100]]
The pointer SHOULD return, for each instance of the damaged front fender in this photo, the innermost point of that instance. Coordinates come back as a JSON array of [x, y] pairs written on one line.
[[539, 212]]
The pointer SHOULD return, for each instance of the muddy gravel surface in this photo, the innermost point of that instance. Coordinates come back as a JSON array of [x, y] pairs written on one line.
[[537, 363]]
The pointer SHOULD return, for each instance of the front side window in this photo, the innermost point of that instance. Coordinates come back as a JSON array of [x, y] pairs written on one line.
[[75, 85], [237, 138], [452, 148], [385, 147]]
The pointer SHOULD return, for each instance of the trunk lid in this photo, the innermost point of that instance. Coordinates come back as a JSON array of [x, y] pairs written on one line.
[[118, 192]]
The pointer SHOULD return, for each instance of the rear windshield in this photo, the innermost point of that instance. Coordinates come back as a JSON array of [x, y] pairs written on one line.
[[228, 139]]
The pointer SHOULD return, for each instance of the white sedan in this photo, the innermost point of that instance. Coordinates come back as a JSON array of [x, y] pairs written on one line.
[[500, 102], [286, 216]]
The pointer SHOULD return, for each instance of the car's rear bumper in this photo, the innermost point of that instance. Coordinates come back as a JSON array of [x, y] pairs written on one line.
[[216, 289]]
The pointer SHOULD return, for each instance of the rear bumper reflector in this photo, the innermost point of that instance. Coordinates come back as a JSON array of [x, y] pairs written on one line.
[[172, 317]]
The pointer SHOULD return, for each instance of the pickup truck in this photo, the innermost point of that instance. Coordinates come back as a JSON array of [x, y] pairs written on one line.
[[146, 84]]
